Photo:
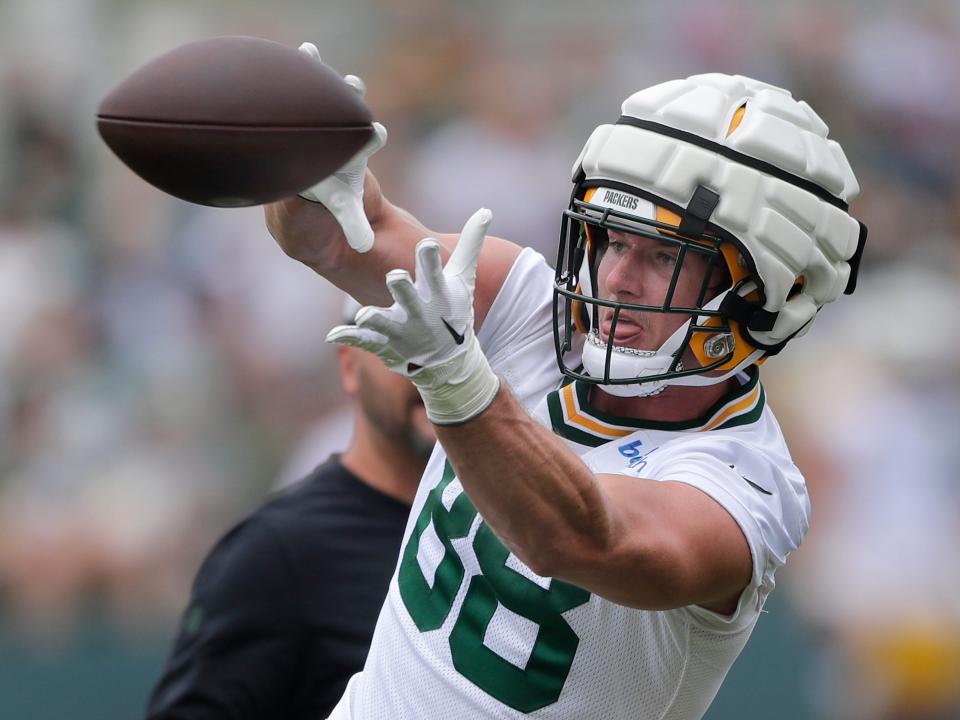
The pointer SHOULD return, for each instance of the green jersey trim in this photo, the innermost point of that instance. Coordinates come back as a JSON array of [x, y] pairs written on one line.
[[573, 418]]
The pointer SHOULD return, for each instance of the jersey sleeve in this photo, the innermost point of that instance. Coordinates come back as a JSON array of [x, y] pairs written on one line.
[[767, 498], [235, 653], [517, 333]]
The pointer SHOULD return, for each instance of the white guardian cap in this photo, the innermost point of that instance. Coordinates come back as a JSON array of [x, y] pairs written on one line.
[[729, 170]]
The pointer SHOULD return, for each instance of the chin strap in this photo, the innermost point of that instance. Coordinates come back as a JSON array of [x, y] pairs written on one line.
[[627, 363]]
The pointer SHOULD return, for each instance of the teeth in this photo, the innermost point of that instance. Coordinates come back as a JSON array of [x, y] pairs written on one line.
[[593, 337]]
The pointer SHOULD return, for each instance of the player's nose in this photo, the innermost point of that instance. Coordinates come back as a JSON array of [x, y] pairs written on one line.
[[625, 280]]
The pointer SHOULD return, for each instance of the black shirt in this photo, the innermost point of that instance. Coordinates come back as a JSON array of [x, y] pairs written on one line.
[[283, 609]]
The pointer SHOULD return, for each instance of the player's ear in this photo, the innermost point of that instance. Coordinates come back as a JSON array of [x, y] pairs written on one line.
[[349, 373]]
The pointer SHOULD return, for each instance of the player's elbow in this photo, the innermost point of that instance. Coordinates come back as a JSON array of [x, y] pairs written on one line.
[[570, 556], [638, 571]]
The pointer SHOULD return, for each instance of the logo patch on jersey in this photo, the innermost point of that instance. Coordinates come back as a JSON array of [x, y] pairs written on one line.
[[639, 463], [752, 484], [630, 449]]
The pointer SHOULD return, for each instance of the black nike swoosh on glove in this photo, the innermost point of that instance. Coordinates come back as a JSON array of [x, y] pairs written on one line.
[[457, 337]]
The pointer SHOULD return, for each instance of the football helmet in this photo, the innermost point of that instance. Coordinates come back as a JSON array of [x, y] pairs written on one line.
[[742, 182]]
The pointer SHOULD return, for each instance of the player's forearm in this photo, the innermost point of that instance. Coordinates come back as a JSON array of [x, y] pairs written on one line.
[[537, 496]]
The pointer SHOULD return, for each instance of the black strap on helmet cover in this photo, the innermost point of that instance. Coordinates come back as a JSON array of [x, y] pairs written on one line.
[[693, 222], [854, 261], [739, 157], [746, 313], [750, 318]]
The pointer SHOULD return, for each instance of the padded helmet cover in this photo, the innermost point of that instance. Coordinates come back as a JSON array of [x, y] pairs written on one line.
[[788, 233]]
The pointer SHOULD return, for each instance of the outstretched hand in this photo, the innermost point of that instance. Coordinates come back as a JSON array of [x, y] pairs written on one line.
[[342, 192], [431, 321]]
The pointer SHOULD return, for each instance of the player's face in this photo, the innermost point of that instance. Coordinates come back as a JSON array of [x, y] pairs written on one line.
[[638, 270], [392, 405]]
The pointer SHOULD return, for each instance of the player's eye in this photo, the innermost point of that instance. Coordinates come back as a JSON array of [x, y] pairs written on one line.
[[666, 259]]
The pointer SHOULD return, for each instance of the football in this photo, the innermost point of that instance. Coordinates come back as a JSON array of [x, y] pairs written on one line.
[[234, 121]]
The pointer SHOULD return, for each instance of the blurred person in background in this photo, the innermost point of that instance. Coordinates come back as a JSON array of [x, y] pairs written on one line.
[[616, 566], [283, 609]]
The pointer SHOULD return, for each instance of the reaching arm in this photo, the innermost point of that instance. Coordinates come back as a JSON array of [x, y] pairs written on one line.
[[307, 231], [641, 543]]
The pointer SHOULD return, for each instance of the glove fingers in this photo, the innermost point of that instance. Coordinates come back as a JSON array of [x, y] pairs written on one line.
[[358, 337], [375, 143], [310, 50], [324, 189], [429, 266], [370, 341], [380, 320], [405, 293], [463, 261], [347, 208], [353, 221], [359, 86]]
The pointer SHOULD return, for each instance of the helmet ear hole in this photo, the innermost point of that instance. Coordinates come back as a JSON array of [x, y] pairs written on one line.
[[722, 282], [596, 244], [797, 287]]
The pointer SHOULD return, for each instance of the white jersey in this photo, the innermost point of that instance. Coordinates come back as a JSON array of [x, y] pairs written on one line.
[[468, 631]]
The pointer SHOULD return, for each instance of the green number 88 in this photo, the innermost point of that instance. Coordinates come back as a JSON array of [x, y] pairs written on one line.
[[541, 680]]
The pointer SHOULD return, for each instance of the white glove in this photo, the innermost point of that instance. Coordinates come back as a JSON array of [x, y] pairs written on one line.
[[342, 192], [427, 334]]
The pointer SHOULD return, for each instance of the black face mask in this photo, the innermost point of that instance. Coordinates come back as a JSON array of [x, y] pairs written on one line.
[[584, 239]]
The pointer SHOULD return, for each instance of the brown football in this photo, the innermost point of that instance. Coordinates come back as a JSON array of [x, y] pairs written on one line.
[[234, 121]]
